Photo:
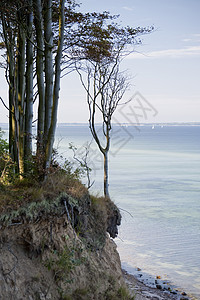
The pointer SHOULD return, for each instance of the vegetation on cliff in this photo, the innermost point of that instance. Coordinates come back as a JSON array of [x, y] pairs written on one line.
[[54, 241]]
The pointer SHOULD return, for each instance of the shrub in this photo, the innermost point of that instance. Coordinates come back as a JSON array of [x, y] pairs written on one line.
[[6, 163]]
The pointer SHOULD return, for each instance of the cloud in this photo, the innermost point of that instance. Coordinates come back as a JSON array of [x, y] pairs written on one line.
[[127, 8], [196, 35], [195, 38], [186, 40], [192, 51]]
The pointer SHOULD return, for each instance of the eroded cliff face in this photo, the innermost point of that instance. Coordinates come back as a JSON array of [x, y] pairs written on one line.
[[62, 253]]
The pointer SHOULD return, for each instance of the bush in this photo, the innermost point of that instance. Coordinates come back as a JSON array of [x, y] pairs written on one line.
[[6, 163], [3, 144]]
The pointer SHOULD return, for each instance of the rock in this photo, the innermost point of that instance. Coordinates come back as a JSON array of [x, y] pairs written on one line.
[[184, 294], [113, 221], [158, 286]]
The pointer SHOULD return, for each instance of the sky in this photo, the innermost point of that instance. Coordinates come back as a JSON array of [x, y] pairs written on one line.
[[165, 69]]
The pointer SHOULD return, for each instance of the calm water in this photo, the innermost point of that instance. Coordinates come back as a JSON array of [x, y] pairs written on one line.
[[155, 177]]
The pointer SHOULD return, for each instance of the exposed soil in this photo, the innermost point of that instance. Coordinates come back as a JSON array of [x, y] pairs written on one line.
[[60, 249]]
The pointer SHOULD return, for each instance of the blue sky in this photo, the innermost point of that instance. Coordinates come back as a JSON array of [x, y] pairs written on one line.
[[165, 70]]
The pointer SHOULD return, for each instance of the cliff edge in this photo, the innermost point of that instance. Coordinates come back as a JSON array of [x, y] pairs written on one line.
[[59, 246]]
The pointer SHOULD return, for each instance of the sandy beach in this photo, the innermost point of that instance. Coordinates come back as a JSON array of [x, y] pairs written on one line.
[[143, 292]]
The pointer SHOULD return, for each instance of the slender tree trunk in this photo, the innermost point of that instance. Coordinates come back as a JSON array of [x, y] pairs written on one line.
[[21, 62], [105, 153], [48, 35], [106, 193], [29, 92], [38, 20], [15, 123], [12, 129], [9, 39], [56, 91]]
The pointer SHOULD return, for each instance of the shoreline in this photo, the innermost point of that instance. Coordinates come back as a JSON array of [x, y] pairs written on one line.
[[161, 291]]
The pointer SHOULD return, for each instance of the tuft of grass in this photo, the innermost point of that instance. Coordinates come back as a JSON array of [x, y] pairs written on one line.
[[61, 263], [123, 294], [33, 210], [80, 294], [25, 191]]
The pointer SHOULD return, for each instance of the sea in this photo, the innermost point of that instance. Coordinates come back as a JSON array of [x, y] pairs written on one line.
[[154, 179]]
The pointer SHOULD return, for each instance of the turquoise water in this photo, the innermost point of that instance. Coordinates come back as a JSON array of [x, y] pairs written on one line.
[[155, 177], [155, 180]]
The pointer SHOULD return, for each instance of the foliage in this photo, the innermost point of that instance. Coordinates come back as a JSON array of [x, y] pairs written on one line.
[[3, 143], [82, 160], [33, 210], [121, 294], [65, 261], [21, 192], [124, 294], [76, 168], [7, 166]]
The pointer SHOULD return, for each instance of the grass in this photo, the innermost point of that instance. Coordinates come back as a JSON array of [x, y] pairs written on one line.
[[121, 294], [22, 192]]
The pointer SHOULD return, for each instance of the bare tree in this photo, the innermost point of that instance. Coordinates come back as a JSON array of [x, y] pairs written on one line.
[[105, 86], [100, 75]]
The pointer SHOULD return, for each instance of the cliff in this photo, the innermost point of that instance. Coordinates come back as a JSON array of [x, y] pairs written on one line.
[[58, 245]]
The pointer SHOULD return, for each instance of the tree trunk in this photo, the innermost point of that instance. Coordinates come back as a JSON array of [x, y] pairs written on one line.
[[21, 62], [38, 20], [29, 93], [106, 193], [52, 128], [9, 38], [48, 35], [12, 127]]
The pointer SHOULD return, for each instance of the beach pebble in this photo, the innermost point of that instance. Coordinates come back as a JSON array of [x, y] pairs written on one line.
[[159, 286], [184, 294]]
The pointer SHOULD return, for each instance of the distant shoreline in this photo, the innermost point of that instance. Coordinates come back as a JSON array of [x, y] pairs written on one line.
[[128, 124], [135, 124]]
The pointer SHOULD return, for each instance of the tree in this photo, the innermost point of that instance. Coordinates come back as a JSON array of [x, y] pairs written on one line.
[[38, 37], [27, 28], [105, 88], [13, 19], [104, 83]]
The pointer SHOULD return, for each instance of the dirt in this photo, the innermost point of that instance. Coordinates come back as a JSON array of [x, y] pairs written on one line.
[[46, 255]]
